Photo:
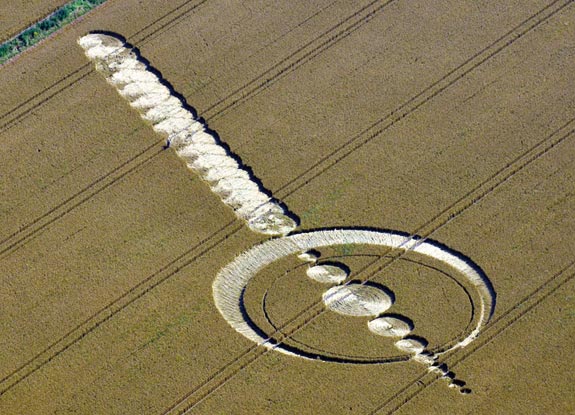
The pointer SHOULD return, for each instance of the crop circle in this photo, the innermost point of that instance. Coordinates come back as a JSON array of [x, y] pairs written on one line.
[[231, 282]]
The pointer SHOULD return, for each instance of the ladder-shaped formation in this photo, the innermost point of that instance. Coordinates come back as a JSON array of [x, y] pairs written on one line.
[[199, 148]]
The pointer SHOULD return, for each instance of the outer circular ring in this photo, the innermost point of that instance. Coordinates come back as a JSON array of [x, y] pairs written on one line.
[[231, 281]]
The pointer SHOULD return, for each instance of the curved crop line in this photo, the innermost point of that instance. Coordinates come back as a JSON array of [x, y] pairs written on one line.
[[493, 331], [459, 211], [199, 147], [81, 330], [207, 388], [345, 358], [229, 286]]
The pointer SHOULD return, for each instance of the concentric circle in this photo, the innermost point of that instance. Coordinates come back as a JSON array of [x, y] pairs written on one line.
[[231, 282]]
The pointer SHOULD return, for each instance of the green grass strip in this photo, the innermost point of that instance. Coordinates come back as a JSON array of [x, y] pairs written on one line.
[[45, 27]]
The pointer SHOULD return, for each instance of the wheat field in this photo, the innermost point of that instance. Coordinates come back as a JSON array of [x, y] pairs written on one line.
[[443, 131]]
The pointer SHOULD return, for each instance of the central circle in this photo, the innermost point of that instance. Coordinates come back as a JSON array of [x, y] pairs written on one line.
[[357, 300]]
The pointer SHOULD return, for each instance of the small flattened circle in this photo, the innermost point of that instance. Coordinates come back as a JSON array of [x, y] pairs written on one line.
[[357, 300], [389, 327], [411, 345], [328, 274], [309, 256]]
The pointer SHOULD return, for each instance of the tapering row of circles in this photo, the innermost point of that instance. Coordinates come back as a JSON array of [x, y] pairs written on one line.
[[361, 300]]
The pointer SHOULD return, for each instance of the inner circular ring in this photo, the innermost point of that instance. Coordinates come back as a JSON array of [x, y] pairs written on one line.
[[230, 283], [355, 358]]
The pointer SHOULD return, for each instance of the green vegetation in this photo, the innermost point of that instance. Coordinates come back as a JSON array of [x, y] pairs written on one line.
[[44, 28]]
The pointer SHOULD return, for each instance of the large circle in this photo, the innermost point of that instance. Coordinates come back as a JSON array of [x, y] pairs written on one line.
[[230, 283], [276, 296]]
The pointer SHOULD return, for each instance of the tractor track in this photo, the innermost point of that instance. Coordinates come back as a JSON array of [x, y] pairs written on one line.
[[289, 188]]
